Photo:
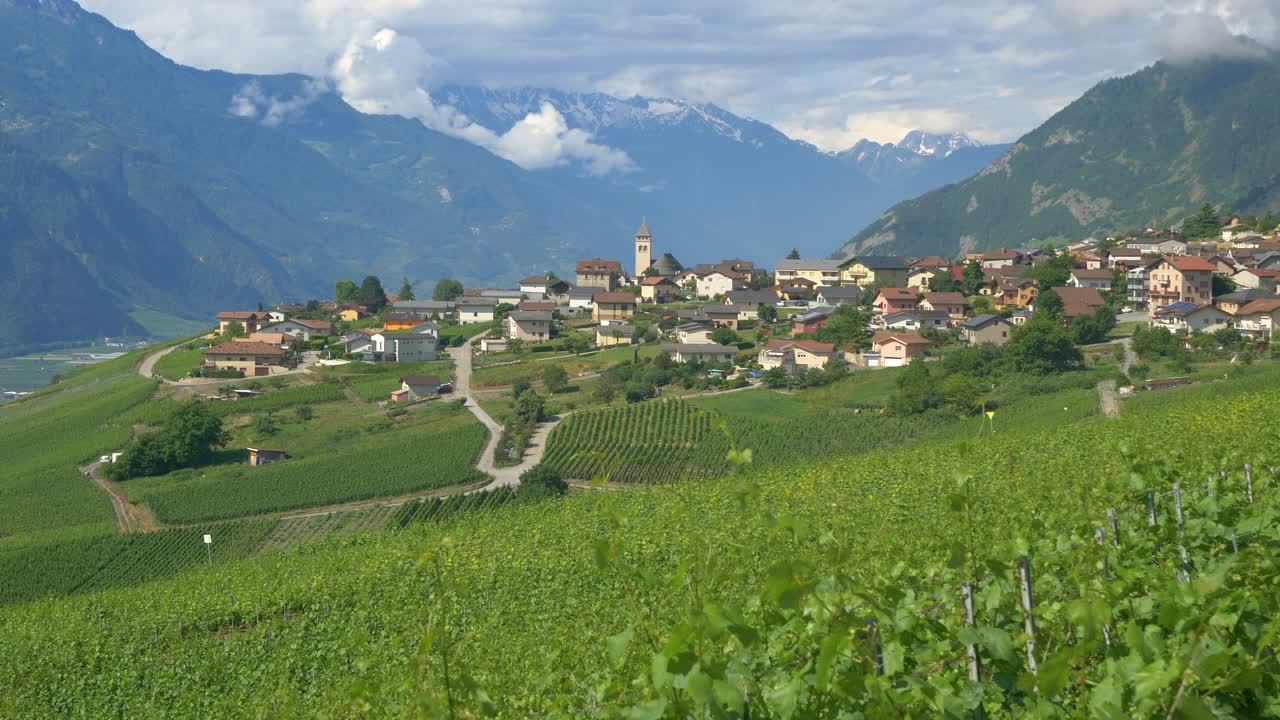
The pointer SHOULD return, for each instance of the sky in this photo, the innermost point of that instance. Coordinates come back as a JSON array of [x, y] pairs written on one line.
[[824, 71]]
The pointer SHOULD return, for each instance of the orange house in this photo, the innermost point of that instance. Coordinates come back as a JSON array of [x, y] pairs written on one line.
[[894, 299], [898, 348]]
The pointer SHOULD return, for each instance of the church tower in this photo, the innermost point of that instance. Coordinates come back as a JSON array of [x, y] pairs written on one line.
[[644, 249]]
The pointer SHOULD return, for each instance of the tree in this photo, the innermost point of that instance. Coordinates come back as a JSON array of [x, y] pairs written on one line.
[[520, 388], [1203, 224], [940, 281], [848, 324], [725, 336], [638, 392], [962, 394], [371, 294], [760, 281], [541, 481], [187, 439], [1049, 304], [1222, 285], [1042, 346], [555, 379], [515, 345], [265, 424], [767, 313], [917, 391], [774, 377], [346, 292], [1054, 272], [304, 413], [607, 389], [234, 330], [406, 291], [447, 289], [794, 254], [529, 407], [971, 278]]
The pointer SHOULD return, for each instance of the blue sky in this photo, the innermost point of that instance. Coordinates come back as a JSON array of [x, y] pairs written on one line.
[[821, 70]]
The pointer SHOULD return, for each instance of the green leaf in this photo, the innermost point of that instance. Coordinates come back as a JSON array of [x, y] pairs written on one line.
[[894, 655], [651, 710], [618, 643], [997, 642]]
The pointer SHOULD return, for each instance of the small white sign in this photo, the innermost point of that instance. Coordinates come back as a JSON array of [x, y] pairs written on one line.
[[208, 539]]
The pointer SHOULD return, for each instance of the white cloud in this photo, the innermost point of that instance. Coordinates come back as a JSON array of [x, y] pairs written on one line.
[[251, 102], [388, 73]]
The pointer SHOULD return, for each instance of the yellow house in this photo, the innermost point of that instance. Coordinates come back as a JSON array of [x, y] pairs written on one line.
[[350, 314], [819, 272], [885, 271], [613, 306]]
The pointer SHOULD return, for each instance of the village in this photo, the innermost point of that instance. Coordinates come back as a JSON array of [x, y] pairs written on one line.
[[732, 318]]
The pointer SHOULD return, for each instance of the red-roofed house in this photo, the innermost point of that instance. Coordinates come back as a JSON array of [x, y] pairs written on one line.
[[1180, 278], [898, 348], [793, 355], [1078, 301], [1257, 278], [894, 299], [250, 321], [658, 289], [951, 303], [251, 358], [597, 273], [1258, 319]]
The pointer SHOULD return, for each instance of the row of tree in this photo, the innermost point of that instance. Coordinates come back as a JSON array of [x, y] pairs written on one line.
[[372, 296]]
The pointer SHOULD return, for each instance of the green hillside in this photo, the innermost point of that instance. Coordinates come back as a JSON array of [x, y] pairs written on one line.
[[1154, 145], [697, 597]]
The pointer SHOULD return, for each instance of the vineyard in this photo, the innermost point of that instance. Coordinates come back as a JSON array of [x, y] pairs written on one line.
[[808, 590], [393, 464], [274, 400], [438, 509]]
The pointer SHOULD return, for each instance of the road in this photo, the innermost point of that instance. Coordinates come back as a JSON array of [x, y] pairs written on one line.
[[1108, 401], [119, 504], [147, 369]]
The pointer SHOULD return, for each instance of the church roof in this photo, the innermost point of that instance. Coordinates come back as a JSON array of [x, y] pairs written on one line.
[[667, 264], [644, 229]]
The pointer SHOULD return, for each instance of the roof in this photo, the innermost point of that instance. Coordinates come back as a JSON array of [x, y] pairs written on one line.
[[1087, 274], [722, 309], [537, 306], [1184, 308], [267, 450], [837, 291], [530, 316], [420, 380], [270, 338], [977, 322], [878, 262], [899, 293], [668, 262], [1079, 300], [239, 315], [693, 326], [425, 304], [932, 261], [1262, 272], [477, 302], [945, 298], [367, 332], [698, 348], [1124, 252], [534, 280], [1246, 295], [243, 348], [905, 338], [657, 280], [812, 315], [644, 229], [812, 346], [615, 298], [597, 265], [313, 324], [1001, 254], [1259, 306], [1189, 263], [793, 265], [582, 292], [750, 296], [621, 330]]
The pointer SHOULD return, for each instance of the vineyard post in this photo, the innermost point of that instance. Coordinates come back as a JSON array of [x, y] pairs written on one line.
[[975, 664], [1248, 481], [1184, 574], [1115, 527], [208, 547], [1208, 485], [1151, 508], [1028, 621], [877, 652], [1234, 547]]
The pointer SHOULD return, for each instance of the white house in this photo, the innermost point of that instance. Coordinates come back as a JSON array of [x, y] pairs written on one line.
[[720, 282], [403, 346], [709, 353], [301, 328], [1183, 317], [475, 310], [694, 333], [1099, 278]]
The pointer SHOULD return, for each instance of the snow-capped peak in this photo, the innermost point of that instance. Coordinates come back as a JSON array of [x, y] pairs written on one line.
[[925, 143]]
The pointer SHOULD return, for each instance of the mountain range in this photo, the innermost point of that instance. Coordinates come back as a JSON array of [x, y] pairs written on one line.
[[130, 182], [1147, 148]]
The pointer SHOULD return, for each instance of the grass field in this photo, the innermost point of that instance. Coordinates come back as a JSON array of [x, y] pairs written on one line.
[[568, 608], [179, 364], [530, 370]]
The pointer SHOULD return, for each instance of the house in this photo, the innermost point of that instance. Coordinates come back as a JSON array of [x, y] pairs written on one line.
[[1123, 256], [1186, 317], [615, 333], [475, 310], [1015, 292], [1002, 258], [359, 342], [819, 272], [351, 314], [599, 274], [896, 349], [249, 320], [1158, 246], [303, 329], [985, 328], [251, 358], [535, 285], [951, 303], [667, 266], [921, 277], [931, 262], [1259, 319], [723, 315], [1180, 278], [794, 355], [750, 301], [1257, 278], [1091, 261], [536, 306], [1225, 265], [416, 387], [1099, 278], [893, 299], [1233, 301], [613, 306], [280, 340], [694, 333], [403, 346], [811, 321], [658, 289], [1138, 282], [799, 289], [558, 291], [837, 295], [1079, 301], [720, 282], [266, 456], [916, 320], [1020, 317], [527, 325], [582, 298], [501, 296], [427, 308], [708, 353], [883, 270]]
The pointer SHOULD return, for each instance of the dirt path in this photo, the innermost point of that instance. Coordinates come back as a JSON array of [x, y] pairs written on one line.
[[1107, 399], [119, 503], [377, 502], [148, 367]]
